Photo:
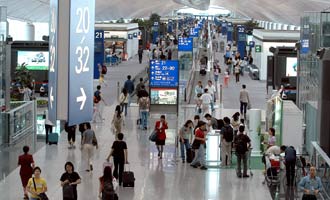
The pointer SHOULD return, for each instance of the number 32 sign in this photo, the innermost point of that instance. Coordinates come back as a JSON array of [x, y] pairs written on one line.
[[82, 18]]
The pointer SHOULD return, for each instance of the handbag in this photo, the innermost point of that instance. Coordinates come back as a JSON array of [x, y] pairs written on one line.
[[42, 196], [67, 191], [94, 141], [153, 136], [196, 144]]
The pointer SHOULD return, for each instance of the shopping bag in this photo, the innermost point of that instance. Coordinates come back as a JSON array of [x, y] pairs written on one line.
[[153, 136]]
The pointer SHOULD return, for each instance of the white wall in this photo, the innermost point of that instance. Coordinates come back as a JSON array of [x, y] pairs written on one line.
[[260, 59]]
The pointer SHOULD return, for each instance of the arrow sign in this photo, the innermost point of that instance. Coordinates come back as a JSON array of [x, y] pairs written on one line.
[[82, 98]]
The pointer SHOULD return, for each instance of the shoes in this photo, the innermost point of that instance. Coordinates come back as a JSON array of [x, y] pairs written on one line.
[[87, 170], [158, 154], [246, 176], [203, 168], [183, 161], [194, 166], [239, 175]]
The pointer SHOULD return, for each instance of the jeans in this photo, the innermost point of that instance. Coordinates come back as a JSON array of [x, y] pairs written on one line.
[[199, 156], [124, 106], [182, 146], [243, 107], [290, 172], [225, 151], [118, 166], [129, 98], [216, 78], [144, 119], [241, 157]]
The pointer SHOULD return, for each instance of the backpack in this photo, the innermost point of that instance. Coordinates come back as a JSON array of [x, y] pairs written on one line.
[[228, 133], [108, 192], [97, 96], [241, 147], [144, 103], [104, 69]]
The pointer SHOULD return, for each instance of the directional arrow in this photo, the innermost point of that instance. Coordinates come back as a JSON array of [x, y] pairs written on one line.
[[82, 98], [51, 98]]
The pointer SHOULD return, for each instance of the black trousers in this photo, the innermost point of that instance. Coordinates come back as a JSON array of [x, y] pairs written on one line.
[[48, 129], [71, 135], [243, 107], [290, 172], [119, 166]]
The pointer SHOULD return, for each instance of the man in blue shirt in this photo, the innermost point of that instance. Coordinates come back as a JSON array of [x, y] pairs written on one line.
[[129, 86], [311, 185]]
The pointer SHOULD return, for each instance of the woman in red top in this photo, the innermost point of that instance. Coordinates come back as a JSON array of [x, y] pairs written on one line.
[[160, 127], [27, 164], [200, 154]]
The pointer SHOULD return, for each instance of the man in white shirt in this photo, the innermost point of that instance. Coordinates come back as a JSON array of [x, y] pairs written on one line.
[[206, 101], [211, 90]]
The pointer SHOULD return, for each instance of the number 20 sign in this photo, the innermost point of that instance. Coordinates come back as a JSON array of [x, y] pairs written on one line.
[[82, 18]]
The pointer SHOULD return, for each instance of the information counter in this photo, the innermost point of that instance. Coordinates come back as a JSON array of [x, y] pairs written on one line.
[[212, 148]]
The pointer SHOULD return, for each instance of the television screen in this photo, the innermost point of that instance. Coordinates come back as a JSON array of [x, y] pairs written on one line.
[[291, 66], [164, 96], [34, 60]]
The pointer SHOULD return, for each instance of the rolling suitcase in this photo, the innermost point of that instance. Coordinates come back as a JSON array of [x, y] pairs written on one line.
[[190, 155], [128, 178], [53, 138]]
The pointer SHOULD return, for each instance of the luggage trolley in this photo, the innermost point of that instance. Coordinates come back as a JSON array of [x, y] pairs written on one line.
[[272, 175]]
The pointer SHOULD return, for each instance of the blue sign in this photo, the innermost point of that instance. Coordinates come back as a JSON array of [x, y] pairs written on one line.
[[229, 32], [130, 36], [185, 44], [135, 34], [52, 75], [305, 40], [164, 73], [170, 26], [241, 40], [252, 44], [224, 28], [82, 19], [155, 30], [194, 32], [98, 52]]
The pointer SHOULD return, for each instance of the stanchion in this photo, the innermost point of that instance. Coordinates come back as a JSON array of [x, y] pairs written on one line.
[[220, 93], [118, 90]]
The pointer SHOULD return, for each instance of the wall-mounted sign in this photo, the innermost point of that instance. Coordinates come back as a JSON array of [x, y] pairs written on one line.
[[185, 44], [130, 36], [135, 34], [258, 48], [164, 73], [163, 96], [252, 44]]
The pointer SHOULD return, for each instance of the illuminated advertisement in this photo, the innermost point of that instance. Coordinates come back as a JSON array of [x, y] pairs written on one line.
[[163, 96], [291, 66], [34, 60], [164, 73]]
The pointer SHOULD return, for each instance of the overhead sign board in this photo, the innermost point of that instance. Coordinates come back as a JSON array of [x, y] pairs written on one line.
[[82, 14], [185, 44], [258, 48], [98, 51], [194, 32], [164, 73], [52, 80]]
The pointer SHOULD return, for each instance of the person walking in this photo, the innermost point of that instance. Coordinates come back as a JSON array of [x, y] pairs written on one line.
[[27, 164], [199, 88], [212, 90], [290, 163], [216, 72], [199, 146], [160, 127], [106, 189], [206, 102], [129, 86], [88, 143], [139, 86], [237, 70], [244, 100], [144, 105], [48, 126], [69, 181], [242, 143], [98, 97], [117, 120], [185, 135], [71, 130], [123, 100], [140, 53], [120, 157], [311, 185], [37, 185], [227, 135]]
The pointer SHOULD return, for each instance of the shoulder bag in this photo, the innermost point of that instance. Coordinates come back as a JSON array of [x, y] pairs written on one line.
[[94, 142], [42, 196]]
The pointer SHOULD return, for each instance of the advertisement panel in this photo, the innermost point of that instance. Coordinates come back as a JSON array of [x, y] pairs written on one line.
[[34, 60], [163, 96]]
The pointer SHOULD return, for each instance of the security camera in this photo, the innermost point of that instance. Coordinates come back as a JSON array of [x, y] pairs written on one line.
[[320, 53]]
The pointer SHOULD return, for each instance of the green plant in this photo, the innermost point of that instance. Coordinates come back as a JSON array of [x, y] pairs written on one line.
[[41, 103], [23, 75]]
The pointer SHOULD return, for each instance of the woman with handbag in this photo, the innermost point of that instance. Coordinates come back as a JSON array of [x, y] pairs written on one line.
[[88, 142], [37, 186], [160, 127], [198, 144], [27, 164], [69, 181], [117, 120], [123, 100]]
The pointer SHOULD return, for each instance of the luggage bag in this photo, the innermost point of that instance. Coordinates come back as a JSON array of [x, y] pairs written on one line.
[[128, 178], [53, 138]]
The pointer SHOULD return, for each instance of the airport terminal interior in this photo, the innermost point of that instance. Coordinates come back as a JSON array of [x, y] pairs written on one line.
[[178, 99]]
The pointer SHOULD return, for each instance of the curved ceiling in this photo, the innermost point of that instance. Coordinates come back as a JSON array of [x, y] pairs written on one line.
[[281, 11]]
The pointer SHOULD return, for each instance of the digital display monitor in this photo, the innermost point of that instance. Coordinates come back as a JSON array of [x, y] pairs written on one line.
[[34, 60], [164, 73], [291, 66], [163, 96], [185, 44]]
